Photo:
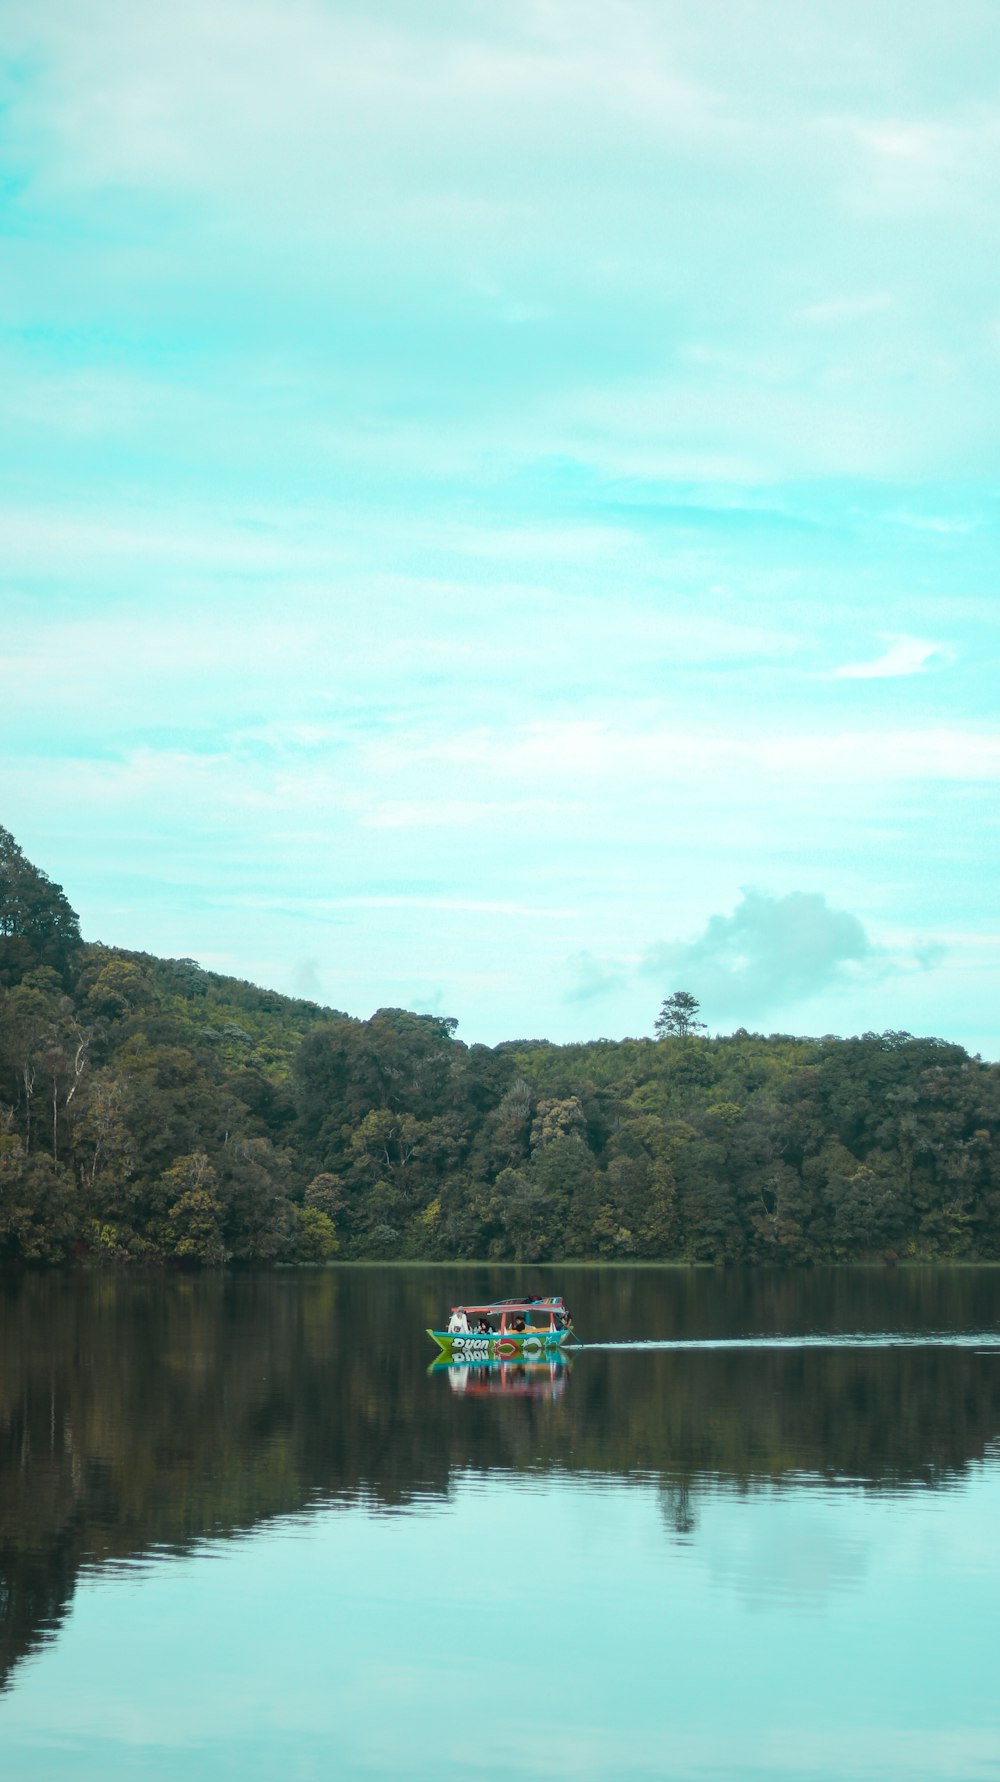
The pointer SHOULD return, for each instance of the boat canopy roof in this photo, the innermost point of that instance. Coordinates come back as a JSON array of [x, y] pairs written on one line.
[[516, 1305]]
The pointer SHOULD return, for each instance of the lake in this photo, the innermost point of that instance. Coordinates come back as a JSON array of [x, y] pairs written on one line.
[[244, 1532]]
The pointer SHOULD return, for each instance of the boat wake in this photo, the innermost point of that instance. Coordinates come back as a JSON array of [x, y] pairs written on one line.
[[983, 1341]]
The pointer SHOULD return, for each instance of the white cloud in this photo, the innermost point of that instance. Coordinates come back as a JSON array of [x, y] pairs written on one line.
[[944, 525], [423, 813], [593, 979], [941, 159], [901, 656], [770, 952], [581, 754], [912, 140], [294, 107], [833, 310]]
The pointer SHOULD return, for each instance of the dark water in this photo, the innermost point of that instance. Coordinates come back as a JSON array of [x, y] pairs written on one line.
[[245, 1533]]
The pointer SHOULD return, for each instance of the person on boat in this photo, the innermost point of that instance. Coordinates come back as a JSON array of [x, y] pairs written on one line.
[[484, 1327], [458, 1323], [517, 1324]]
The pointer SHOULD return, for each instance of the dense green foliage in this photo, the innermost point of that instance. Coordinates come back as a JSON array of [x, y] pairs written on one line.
[[152, 1111]]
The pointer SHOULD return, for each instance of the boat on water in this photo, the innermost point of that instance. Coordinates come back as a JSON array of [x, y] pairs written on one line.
[[505, 1329]]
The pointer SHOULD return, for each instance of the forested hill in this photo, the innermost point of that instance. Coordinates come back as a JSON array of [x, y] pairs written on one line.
[[153, 1112]]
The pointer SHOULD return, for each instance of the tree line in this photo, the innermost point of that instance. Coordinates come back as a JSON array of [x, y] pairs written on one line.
[[153, 1112]]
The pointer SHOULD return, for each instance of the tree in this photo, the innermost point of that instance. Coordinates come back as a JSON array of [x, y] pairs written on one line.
[[37, 926], [315, 1237], [556, 1118], [325, 1193], [678, 1017], [121, 989], [259, 1220], [196, 1215], [38, 1210]]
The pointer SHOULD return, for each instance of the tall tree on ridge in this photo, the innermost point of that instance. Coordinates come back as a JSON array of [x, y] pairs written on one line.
[[678, 1017]]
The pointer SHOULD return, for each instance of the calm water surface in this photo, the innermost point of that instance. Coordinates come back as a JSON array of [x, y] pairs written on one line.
[[245, 1533]]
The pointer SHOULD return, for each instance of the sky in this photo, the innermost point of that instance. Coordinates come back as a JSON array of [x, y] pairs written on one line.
[[499, 505]]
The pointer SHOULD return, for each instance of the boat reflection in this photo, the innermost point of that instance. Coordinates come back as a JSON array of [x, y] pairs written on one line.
[[511, 1379]]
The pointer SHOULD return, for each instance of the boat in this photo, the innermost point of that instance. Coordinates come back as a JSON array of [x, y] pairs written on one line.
[[505, 1329]]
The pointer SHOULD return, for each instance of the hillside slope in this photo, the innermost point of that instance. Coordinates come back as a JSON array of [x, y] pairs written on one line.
[[154, 1112]]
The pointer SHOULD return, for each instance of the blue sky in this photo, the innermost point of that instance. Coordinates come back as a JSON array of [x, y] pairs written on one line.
[[499, 505]]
